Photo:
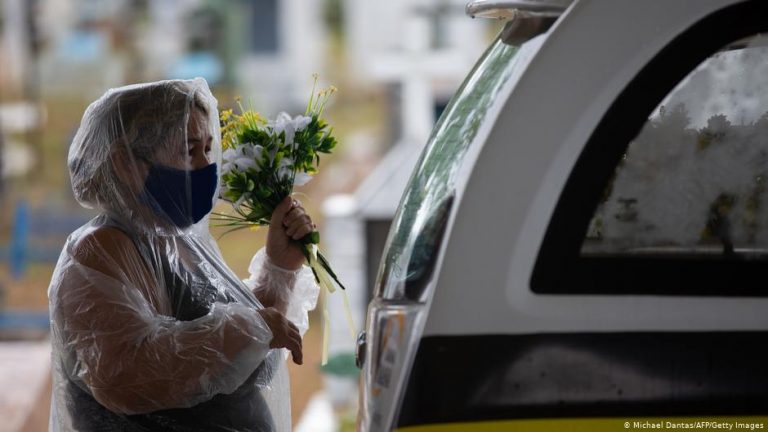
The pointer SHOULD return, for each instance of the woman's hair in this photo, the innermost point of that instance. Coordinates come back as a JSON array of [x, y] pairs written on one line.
[[144, 123]]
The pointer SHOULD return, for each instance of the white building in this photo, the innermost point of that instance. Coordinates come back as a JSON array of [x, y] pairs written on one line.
[[266, 49], [288, 38]]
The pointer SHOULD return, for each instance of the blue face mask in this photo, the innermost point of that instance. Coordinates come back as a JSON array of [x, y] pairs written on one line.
[[184, 197]]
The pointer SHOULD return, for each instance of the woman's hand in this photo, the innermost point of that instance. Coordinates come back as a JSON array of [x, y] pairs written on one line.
[[284, 333], [289, 223]]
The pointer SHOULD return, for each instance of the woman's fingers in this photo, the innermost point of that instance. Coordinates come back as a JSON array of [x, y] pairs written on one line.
[[298, 356], [295, 348], [302, 231], [292, 332], [293, 224], [285, 333], [298, 226], [297, 222], [294, 344], [293, 215], [282, 210]]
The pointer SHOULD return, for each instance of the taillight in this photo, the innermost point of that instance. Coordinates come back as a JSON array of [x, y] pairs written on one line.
[[391, 339]]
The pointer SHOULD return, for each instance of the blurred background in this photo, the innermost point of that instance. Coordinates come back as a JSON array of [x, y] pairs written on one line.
[[396, 63]]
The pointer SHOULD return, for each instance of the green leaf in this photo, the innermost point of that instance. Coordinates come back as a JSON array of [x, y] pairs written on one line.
[[341, 365], [263, 193], [311, 238], [252, 135], [232, 195]]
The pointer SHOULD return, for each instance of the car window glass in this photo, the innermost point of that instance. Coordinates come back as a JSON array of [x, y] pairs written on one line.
[[433, 180], [695, 179]]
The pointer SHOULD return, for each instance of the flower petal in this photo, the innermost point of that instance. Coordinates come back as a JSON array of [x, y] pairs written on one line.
[[229, 155], [300, 122], [243, 163], [301, 179]]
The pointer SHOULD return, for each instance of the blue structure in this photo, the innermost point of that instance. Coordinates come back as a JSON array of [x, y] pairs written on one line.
[[19, 240], [31, 235]]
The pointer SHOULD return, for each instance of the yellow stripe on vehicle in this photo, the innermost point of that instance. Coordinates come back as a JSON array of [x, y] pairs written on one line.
[[719, 424]]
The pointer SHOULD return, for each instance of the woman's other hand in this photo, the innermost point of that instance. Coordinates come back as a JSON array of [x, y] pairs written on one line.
[[284, 333], [289, 223]]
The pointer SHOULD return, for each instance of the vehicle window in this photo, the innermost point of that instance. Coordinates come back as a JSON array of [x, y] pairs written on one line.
[[670, 193], [695, 179], [426, 198]]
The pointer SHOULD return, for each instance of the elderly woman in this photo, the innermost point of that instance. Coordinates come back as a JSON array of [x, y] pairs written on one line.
[[152, 331]]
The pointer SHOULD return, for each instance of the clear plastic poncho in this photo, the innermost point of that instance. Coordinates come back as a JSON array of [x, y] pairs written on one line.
[[151, 330]]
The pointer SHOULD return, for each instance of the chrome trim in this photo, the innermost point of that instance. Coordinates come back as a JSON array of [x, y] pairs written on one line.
[[360, 350], [525, 27], [508, 8]]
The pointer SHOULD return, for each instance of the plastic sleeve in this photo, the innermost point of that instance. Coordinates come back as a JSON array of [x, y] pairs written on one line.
[[293, 292]]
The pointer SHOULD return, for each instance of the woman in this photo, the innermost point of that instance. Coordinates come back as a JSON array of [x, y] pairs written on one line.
[[151, 330]]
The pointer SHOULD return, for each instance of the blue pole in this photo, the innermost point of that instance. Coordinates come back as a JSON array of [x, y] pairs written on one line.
[[19, 238]]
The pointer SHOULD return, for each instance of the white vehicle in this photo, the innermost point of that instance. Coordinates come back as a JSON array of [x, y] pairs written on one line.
[[584, 241]]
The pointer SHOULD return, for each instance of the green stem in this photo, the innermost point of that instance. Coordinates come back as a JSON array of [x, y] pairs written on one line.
[[327, 266], [321, 259]]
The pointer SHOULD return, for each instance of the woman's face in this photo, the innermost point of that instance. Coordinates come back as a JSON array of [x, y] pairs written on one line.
[[199, 141], [190, 152], [195, 153]]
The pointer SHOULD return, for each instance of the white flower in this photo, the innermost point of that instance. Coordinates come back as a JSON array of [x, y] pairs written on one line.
[[228, 157], [242, 157], [284, 123], [301, 179], [301, 122], [286, 169]]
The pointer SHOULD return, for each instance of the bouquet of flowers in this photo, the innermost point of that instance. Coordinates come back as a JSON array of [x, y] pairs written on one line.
[[264, 160]]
